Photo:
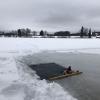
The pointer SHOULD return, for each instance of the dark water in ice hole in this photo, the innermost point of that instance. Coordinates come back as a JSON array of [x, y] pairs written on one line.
[[85, 86]]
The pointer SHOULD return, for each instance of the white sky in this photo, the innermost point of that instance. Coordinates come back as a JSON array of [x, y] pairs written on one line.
[[49, 15]]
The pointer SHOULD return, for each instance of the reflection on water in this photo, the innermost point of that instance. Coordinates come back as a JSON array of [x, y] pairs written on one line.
[[85, 86]]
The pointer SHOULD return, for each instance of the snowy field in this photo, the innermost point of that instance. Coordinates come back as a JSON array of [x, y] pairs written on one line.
[[18, 82]]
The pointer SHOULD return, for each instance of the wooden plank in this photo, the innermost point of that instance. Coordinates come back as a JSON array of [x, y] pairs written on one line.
[[63, 76]]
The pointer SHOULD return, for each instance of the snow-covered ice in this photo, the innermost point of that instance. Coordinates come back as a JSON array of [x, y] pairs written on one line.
[[18, 82]]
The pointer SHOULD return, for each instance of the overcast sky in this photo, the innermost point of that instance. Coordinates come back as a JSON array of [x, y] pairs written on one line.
[[49, 15]]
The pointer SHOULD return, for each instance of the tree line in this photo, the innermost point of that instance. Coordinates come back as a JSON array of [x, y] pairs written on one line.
[[83, 33]]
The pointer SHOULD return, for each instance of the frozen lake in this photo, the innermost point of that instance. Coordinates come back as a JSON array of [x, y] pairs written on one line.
[[18, 82], [82, 87]]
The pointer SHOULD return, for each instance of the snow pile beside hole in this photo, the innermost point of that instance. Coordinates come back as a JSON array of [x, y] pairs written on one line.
[[8, 69]]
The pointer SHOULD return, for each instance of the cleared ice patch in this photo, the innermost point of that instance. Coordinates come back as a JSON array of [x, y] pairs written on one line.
[[90, 51], [40, 89], [19, 82], [78, 51]]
